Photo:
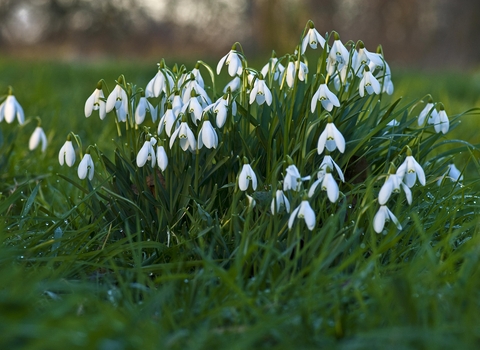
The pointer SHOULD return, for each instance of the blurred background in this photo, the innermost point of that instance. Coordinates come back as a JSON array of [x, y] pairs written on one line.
[[418, 33]]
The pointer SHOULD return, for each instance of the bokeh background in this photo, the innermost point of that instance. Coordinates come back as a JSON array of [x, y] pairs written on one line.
[[420, 33]]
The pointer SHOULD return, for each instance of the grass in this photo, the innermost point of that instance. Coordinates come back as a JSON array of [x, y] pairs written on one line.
[[73, 276]]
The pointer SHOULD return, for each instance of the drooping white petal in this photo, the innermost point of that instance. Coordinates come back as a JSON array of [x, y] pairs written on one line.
[[379, 219], [331, 187], [162, 159], [386, 190], [293, 215], [38, 136], [67, 154], [86, 167], [308, 214]]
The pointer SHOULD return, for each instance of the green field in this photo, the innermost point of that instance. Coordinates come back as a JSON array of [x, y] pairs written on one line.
[[71, 281]]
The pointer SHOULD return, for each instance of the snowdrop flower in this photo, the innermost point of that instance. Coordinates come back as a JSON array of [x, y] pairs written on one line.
[[386, 78], [96, 102], [393, 123], [198, 76], [293, 179], [369, 83], [67, 153], [260, 92], [392, 184], [161, 82], [143, 106], [328, 184], [207, 136], [118, 99], [364, 58], [410, 170], [303, 211], [292, 69], [38, 136], [384, 214], [168, 121], [233, 85], [430, 111], [193, 107], [192, 87], [185, 135], [86, 167], [331, 138], [337, 57], [452, 173], [312, 38], [11, 108], [220, 109], [233, 61], [162, 159], [147, 153], [251, 201], [177, 104], [246, 176], [327, 163], [441, 123], [280, 202], [326, 97], [273, 67]]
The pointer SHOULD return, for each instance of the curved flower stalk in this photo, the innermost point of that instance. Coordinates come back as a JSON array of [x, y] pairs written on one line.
[[303, 211], [368, 83], [384, 214], [428, 111], [185, 135], [246, 176], [38, 136], [162, 158], [312, 38], [441, 122], [410, 170], [260, 92], [96, 102], [86, 167], [279, 202], [331, 139], [161, 82], [326, 97], [233, 60], [207, 136], [11, 108], [273, 67], [118, 99], [147, 153], [67, 153]]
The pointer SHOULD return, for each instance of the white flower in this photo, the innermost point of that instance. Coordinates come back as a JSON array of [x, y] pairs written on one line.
[[452, 173], [96, 103], [167, 121], [410, 170], [251, 201], [312, 38], [233, 85], [198, 76], [246, 175], [220, 108], [118, 99], [293, 179], [292, 69], [38, 136], [384, 214], [280, 202], [261, 93], [303, 211], [326, 97], [192, 88], [67, 154], [331, 138], [177, 105], [233, 61], [392, 184], [328, 184], [337, 57], [86, 167], [162, 159], [11, 108], [369, 83], [187, 139], [273, 67], [441, 123], [193, 107], [207, 136], [162, 81], [143, 106], [146, 153], [365, 58], [430, 111]]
